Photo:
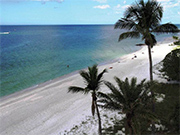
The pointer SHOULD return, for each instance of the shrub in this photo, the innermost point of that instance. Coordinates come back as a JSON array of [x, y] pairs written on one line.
[[168, 111], [171, 66], [178, 40]]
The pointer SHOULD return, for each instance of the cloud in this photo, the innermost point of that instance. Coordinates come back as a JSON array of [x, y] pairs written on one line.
[[125, 6], [124, 2], [43, 1], [163, 0], [117, 12], [102, 6], [119, 9], [12, 0], [59, 1], [118, 6], [170, 4], [101, 1]]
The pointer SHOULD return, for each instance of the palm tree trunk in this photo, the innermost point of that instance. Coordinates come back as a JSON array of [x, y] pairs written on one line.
[[150, 63], [152, 92], [129, 124], [97, 110], [99, 119]]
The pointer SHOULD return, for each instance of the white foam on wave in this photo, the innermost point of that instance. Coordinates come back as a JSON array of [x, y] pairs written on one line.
[[1, 33]]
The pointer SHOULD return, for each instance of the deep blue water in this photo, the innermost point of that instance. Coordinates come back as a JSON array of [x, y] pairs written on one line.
[[34, 54]]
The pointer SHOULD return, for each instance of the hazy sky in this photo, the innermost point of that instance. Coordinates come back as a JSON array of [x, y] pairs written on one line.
[[75, 11]]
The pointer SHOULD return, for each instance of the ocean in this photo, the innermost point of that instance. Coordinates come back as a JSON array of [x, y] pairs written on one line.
[[34, 54]]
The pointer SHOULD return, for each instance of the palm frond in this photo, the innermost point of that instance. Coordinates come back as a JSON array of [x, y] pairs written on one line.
[[142, 82], [141, 85], [126, 85], [109, 104], [92, 78], [75, 89], [85, 75], [153, 13], [93, 71], [124, 23], [131, 34], [101, 74], [145, 113], [147, 15], [116, 94], [132, 13], [166, 28], [150, 14], [133, 83], [103, 95], [111, 87], [120, 84]]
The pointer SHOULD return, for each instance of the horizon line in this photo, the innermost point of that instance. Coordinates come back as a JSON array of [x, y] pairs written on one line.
[[57, 24], [54, 24]]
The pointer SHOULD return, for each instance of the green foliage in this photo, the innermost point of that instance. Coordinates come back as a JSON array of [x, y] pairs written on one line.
[[126, 99], [178, 40], [130, 99], [171, 65], [175, 37], [92, 81], [143, 18], [168, 111], [91, 78]]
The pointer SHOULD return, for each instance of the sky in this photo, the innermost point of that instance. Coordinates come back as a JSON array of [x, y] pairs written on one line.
[[42, 12]]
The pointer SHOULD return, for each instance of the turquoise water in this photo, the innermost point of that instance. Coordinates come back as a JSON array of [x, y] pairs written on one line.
[[34, 54]]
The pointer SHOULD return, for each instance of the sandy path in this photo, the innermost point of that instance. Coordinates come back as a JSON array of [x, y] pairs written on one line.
[[49, 109]]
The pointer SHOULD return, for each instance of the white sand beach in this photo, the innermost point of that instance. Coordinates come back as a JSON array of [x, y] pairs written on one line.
[[49, 110]]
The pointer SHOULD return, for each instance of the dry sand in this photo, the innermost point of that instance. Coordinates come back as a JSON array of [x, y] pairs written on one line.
[[49, 110]]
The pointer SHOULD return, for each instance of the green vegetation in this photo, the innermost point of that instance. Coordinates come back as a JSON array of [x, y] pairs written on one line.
[[138, 101], [93, 81], [168, 111], [143, 18], [132, 100], [167, 115], [178, 40], [171, 65]]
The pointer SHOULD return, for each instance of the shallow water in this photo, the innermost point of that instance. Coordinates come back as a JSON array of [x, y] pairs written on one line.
[[34, 54]]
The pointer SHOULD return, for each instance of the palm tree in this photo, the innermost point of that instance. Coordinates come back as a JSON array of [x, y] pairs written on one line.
[[143, 19], [93, 81], [129, 98]]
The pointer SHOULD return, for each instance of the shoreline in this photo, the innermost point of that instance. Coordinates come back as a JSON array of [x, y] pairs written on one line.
[[48, 109], [123, 57], [40, 85], [30, 86]]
